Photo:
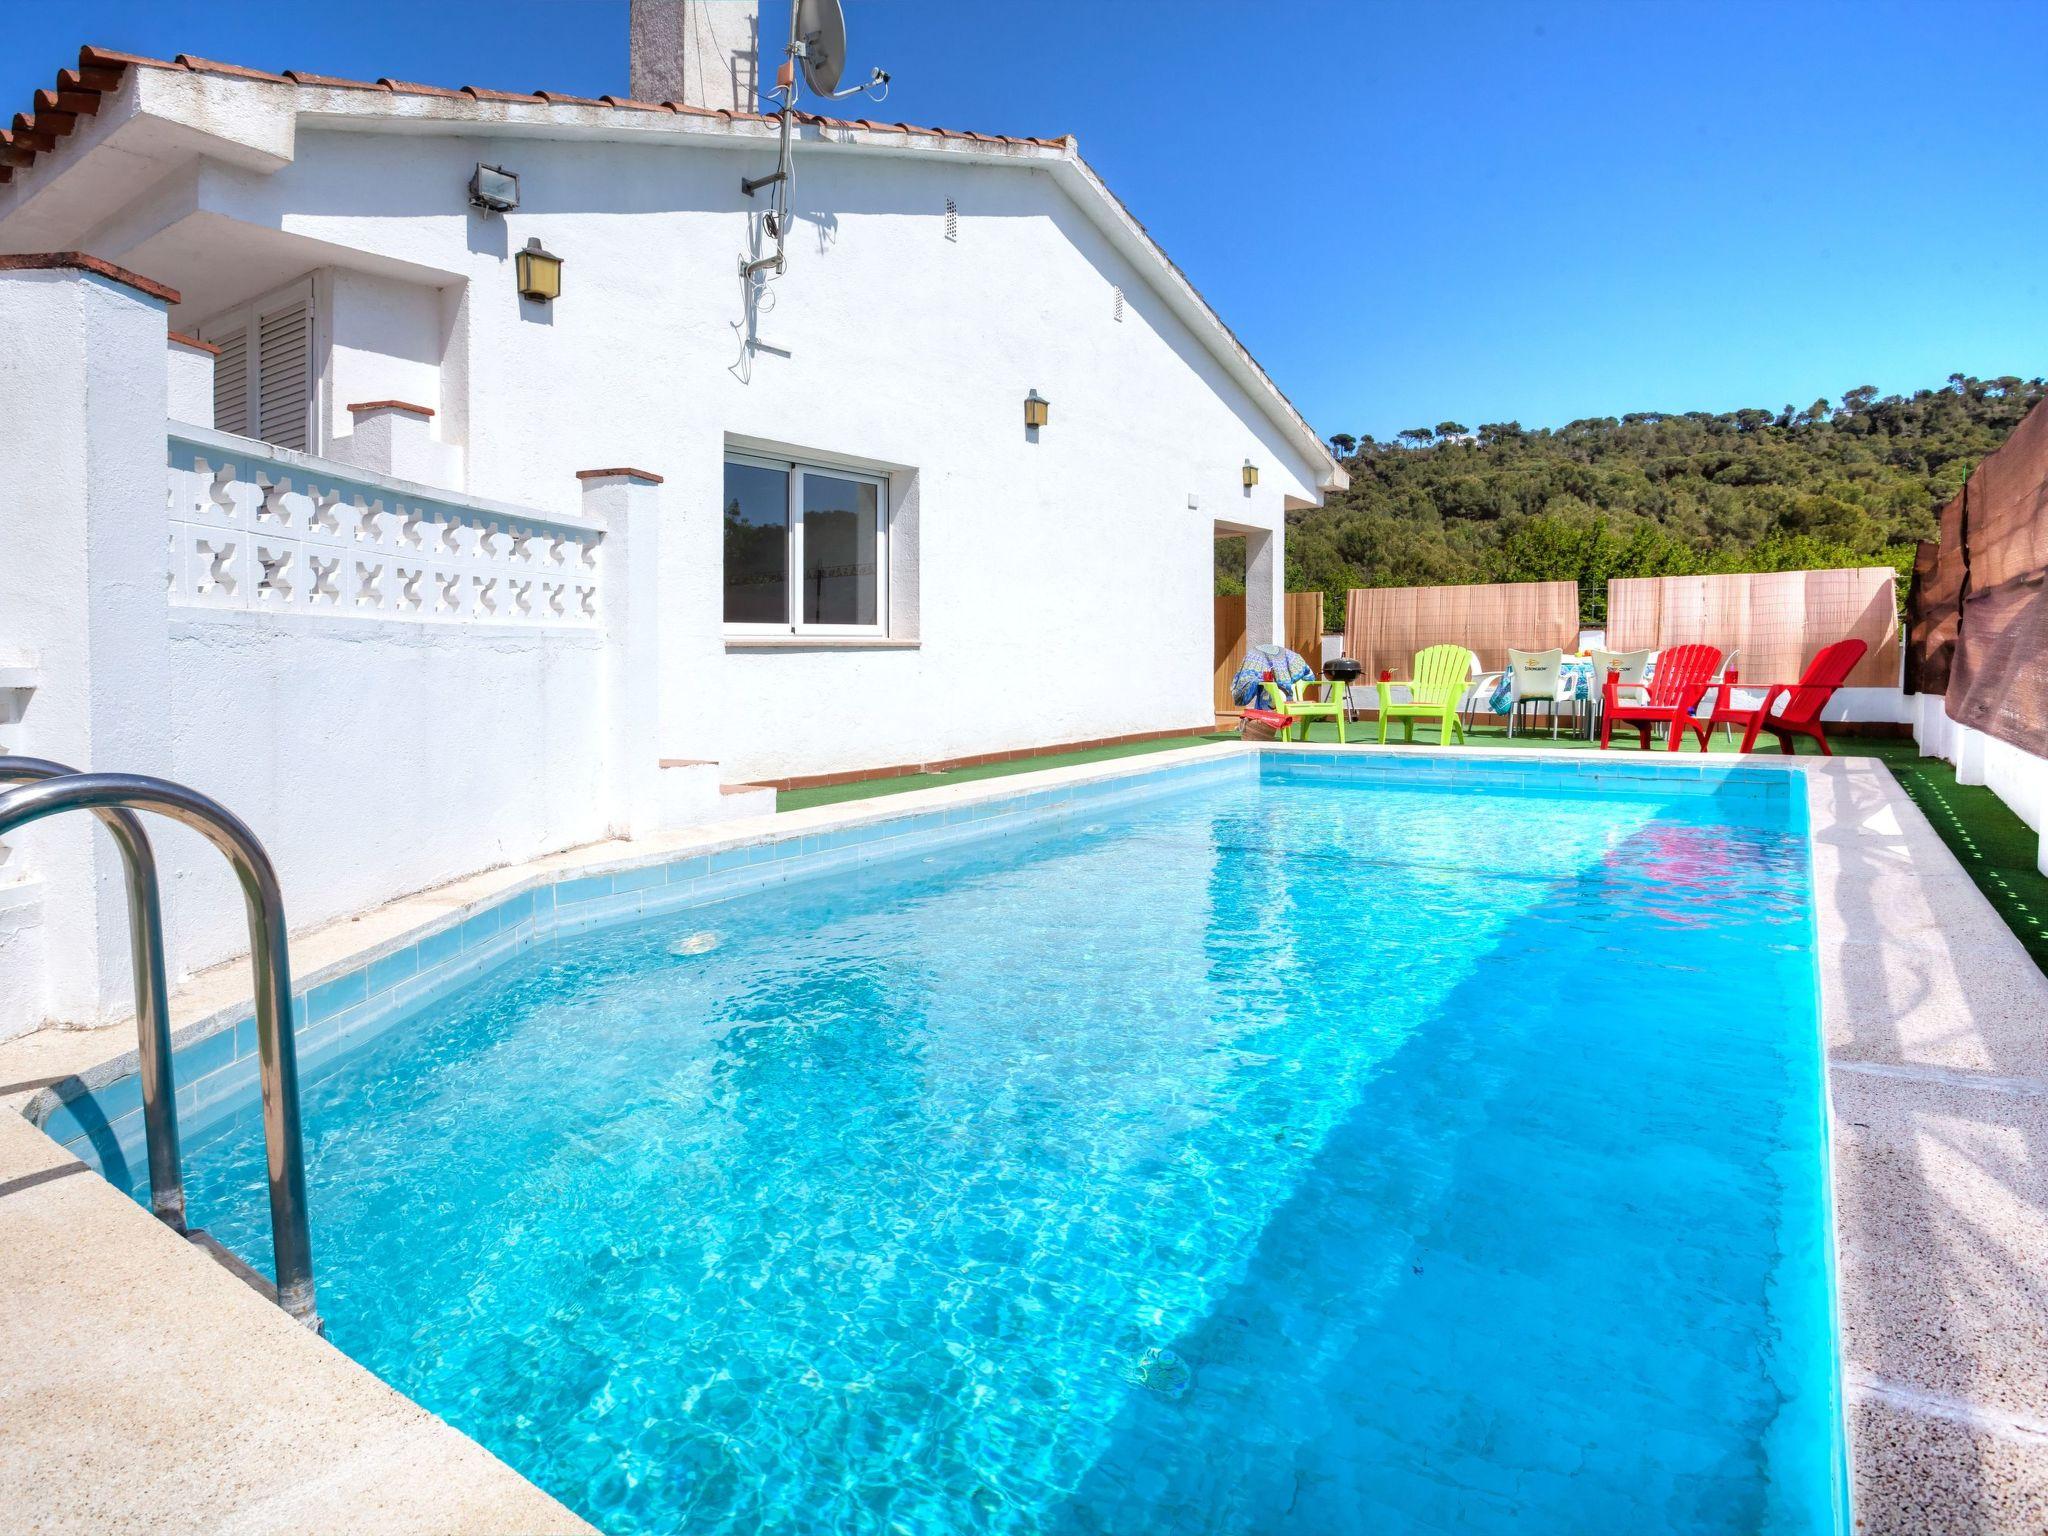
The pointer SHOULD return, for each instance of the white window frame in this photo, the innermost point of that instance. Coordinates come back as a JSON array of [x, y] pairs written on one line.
[[793, 514]]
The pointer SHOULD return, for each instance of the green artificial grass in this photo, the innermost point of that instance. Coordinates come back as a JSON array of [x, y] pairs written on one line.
[[861, 789], [1994, 845], [1987, 838]]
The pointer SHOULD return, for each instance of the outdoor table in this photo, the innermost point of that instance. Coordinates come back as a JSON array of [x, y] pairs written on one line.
[[1576, 685]]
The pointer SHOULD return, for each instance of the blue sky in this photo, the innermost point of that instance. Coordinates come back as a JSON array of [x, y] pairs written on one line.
[[1414, 212]]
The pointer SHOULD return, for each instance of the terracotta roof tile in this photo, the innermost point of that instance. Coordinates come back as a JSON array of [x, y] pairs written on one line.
[[50, 119], [57, 111], [101, 70], [29, 132], [180, 339], [79, 261], [68, 98], [412, 88], [334, 82], [89, 56], [238, 71], [90, 77]]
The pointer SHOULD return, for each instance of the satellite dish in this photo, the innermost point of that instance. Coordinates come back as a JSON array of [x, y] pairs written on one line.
[[821, 28]]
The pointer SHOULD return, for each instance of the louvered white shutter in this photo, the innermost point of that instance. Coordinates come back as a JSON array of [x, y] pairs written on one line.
[[231, 382], [263, 377], [284, 375]]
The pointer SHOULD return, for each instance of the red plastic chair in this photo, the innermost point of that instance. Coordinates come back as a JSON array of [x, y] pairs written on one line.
[[1802, 701], [1678, 682]]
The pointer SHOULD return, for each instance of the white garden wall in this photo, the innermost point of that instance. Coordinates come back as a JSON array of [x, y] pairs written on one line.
[[2017, 777], [83, 388], [374, 757], [393, 688]]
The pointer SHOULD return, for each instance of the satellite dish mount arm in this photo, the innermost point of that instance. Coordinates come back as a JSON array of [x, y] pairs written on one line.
[[817, 47]]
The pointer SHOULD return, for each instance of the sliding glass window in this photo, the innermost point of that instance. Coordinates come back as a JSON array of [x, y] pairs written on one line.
[[806, 549]]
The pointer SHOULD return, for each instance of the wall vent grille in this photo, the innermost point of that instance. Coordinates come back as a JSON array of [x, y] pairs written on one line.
[[952, 220], [1119, 307]]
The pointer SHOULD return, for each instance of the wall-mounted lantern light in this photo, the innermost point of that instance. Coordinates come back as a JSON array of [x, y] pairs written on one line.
[[540, 275], [1251, 474], [493, 189], [1036, 409]]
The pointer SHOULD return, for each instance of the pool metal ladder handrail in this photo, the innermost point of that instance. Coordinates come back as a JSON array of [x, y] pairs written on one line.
[[47, 788]]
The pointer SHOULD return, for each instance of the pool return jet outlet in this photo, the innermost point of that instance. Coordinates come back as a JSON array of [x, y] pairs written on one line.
[[46, 788]]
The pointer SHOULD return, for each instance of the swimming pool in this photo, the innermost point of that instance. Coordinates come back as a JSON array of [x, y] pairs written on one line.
[[1327, 1147]]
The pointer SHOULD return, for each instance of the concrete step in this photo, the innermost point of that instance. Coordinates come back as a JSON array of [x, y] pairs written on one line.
[[693, 793], [740, 800]]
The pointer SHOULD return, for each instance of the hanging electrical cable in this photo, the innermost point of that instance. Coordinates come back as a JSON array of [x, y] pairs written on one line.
[[817, 42]]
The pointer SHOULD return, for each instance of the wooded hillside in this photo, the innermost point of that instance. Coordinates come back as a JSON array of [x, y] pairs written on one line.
[[1845, 483]]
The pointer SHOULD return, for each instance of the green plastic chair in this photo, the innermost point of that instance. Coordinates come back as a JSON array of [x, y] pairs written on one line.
[[1442, 675], [1331, 706]]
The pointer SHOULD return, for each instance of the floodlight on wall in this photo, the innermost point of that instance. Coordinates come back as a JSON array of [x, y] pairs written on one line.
[[540, 274], [493, 189], [1036, 409], [1251, 474]]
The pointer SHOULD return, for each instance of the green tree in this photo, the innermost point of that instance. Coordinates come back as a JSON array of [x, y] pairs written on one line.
[[1654, 493]]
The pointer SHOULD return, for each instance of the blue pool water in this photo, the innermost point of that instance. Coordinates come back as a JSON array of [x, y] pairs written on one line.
[[1292, 1156]]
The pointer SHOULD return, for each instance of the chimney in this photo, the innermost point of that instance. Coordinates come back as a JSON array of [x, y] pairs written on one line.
[[699, 53]]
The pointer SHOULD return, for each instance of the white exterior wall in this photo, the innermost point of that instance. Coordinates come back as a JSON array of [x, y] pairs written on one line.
[[2018, 778], [384, 342], [907, 353]]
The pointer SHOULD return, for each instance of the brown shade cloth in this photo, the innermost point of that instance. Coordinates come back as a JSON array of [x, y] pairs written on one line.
[[1934, 603], [1385, 626], [1998, 682], [1776, 620]]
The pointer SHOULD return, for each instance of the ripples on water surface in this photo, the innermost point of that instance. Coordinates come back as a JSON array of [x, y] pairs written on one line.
[[1295, 1159]]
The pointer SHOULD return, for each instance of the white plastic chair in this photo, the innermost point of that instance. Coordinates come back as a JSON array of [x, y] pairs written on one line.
[[1538, 678], [1634, 670]]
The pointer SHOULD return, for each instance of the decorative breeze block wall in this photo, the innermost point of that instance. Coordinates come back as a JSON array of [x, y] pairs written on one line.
[[253, 531]]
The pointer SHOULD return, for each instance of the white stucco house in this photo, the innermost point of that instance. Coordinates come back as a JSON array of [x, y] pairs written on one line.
[[308, 505]]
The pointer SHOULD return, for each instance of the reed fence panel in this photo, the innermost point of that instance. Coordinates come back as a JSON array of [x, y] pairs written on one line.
[[1304, 627], [1229, 648], [1385, 626], [1775, 620]]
